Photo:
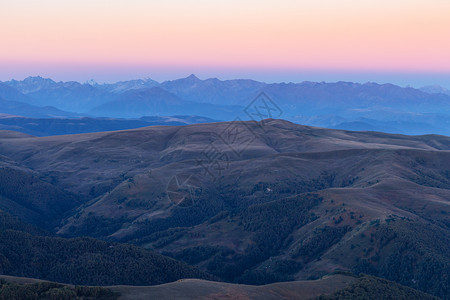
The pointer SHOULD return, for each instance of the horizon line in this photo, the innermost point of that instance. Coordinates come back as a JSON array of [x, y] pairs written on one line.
[[93, 82]]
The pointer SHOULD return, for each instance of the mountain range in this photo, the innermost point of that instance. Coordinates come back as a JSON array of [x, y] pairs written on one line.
[[340, 105], [61, 126]]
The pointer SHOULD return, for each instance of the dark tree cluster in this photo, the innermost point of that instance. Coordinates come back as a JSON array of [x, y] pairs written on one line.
[[411, 254], [53, 291], [319, 241], [369, 287], [25, 253], [270, 224]]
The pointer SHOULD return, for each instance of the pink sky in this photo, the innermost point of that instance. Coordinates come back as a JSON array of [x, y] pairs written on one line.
[[97, 36]]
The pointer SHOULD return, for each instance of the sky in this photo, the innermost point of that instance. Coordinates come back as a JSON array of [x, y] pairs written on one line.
[[406, 42]]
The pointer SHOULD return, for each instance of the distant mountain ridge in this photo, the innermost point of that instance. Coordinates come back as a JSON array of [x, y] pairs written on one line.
[[156, 101], [213, 90], [367, 106], [24, 109], [62, 126], [123, 86], [435, 89]]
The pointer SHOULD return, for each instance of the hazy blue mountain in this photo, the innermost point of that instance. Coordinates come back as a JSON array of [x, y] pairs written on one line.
[[309, 97], [32, 84], [371, 106], [178, 119], [347, 98], [60, 126], [404, 127], [213, 90], [123, 86], [384, 121], [24, 109], [348, 105], [13, 102], [11, 94], [70, 96], [435, 89], [158, 102]]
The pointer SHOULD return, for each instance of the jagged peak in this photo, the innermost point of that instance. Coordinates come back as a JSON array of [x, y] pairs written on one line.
[[37, 78], [192, 77]]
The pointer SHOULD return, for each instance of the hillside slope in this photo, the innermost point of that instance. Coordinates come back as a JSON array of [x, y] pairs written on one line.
[[29, 252], [259, 202]]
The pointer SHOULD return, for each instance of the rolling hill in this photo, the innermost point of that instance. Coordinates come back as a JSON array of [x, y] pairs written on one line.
[[329, 287], [258, 202]]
